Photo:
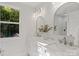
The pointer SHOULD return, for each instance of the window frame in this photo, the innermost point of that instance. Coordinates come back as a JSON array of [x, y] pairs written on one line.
[[10, 22]]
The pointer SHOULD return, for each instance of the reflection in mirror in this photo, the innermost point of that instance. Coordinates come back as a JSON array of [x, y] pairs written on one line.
[[38, 16], [66, 21]]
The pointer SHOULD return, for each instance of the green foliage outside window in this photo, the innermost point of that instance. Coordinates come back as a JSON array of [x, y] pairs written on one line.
[[9, 14]]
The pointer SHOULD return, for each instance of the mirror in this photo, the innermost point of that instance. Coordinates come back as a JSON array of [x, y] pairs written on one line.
[[66, 21]]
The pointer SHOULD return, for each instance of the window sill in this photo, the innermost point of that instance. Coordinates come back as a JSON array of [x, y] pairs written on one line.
[[11, 38]]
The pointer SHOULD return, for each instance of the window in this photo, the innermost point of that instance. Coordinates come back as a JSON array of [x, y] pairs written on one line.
[[9, 22]]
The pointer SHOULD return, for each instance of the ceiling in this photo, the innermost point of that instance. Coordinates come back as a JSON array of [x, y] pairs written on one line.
[[33, 4]]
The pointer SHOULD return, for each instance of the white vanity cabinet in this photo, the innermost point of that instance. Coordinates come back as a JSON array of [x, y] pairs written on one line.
[[51, 47]]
